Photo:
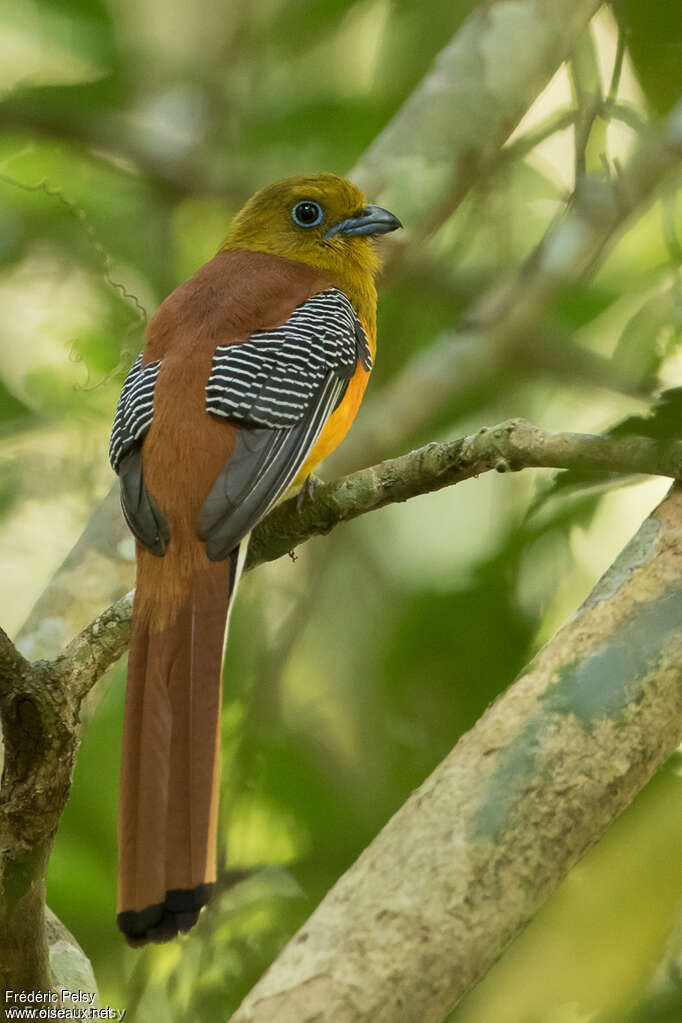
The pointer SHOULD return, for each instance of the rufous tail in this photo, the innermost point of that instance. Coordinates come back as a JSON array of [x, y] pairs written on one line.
[[170, 763]]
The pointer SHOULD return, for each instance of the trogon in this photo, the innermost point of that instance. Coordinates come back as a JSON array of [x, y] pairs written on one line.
[[252, 373]]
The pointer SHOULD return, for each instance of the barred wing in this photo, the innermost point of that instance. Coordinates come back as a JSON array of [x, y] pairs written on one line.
[[134, 410], [132, 420], [272, 379], [280, 386]]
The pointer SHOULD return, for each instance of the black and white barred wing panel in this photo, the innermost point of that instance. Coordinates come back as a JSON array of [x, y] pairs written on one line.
[[134, 410], [132, 420], [270, 380], [281, 385]]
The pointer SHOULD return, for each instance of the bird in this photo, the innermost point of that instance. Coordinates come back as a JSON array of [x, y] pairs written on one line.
[[251, 374]]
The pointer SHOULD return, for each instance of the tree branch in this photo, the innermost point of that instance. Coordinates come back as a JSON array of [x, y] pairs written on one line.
[[40, 703], [509, 447], [95, 649], [466, 862], [11, 663], [450, 132], [513, 445], [502, 329]]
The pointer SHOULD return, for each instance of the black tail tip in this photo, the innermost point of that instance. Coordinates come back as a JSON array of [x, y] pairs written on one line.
[[163, 921]]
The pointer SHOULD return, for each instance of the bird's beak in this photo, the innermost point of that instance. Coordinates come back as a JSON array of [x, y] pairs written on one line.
[[372, 220]]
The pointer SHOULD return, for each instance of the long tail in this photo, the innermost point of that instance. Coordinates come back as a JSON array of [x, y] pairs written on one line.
[[170, 764]]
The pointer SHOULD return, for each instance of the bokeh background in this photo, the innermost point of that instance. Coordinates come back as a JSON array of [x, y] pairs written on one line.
[[129, 135]]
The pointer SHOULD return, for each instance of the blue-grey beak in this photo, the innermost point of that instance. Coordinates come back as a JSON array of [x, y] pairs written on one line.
[[372, 220]]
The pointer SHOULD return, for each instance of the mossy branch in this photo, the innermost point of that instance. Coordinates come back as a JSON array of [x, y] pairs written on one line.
[[462, 867], [508, 447], [40, 702]]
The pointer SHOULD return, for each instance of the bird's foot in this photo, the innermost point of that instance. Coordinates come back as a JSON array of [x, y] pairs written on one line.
[[307, 491]]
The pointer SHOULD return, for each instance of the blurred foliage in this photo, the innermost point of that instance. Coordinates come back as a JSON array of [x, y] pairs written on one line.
[[655, 45], [129, 134]]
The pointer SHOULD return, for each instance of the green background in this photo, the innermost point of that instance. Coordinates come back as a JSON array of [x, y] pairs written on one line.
[[129, 135]]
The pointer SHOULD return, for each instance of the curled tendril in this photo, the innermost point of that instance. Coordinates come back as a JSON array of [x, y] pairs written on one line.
[[130, 299]]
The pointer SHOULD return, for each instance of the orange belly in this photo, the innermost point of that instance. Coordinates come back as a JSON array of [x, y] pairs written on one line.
[[337, 425]]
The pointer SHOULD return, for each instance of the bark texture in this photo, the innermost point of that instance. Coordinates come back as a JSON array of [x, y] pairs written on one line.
[[40, 702], [510, 446], [462, 867]]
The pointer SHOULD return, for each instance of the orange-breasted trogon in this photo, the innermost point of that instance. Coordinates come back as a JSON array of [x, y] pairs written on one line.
[[252, 373]]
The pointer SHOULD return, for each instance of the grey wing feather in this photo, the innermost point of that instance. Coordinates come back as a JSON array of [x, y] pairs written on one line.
[[144, 518], [263, 465]]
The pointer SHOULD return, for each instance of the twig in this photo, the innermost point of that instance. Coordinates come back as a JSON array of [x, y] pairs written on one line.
[[584, 72], [559, 120], [460, 140], [617, 66], [508, 447], [570, 252]]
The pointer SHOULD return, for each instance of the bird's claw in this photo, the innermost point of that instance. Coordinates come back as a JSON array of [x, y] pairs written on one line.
[[307, 491]]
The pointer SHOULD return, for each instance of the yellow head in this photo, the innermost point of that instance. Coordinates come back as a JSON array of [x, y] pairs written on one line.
[[322, 220]]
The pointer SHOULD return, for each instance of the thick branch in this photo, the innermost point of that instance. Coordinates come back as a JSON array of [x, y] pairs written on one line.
[[11, 663], [41, 707], [466, 862], [511, 446]]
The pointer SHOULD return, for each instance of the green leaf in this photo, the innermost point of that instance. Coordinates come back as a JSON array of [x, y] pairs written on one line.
[[654, 32], [578, 304], [12, 410], [650, 335]]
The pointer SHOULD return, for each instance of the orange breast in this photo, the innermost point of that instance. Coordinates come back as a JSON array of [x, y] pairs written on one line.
[[337, 425]]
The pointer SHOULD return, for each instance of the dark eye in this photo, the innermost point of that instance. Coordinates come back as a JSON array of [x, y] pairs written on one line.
[[307, 213]]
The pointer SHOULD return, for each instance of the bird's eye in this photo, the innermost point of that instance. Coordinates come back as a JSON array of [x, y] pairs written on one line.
[[307, 213]]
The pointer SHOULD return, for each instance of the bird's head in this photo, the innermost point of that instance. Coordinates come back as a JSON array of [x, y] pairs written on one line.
[[322, 220]]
